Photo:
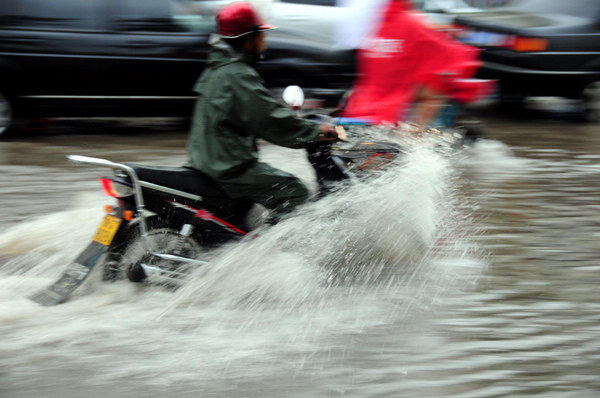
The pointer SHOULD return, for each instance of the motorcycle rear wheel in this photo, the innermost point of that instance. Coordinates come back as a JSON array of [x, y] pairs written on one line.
[[163, 241], [111, 264]]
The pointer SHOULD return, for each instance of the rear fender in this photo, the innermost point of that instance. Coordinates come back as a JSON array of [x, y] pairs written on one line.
[[72, 277]]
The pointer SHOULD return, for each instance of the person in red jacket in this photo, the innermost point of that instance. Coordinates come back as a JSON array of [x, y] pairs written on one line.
[[408, 70]]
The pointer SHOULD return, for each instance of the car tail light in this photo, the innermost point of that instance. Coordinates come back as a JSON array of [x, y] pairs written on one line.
[[528, 44], [483, 38], [114, 189]]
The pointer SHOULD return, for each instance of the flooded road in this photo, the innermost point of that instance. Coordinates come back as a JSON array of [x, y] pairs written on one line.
[[478, 276]]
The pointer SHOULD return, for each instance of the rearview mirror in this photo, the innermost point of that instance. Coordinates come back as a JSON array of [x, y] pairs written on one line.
[[293, 96]]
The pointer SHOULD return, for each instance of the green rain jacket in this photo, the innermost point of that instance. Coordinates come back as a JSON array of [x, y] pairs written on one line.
[[232, 111]]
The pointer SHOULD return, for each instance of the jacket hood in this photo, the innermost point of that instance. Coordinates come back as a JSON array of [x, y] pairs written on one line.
[[223, 54]]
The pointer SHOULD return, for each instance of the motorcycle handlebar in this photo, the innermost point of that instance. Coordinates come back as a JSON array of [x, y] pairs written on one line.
[[341, 133], [333, 133]]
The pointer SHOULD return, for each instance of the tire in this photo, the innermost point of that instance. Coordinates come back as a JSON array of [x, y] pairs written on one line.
[[590, 102], [6, 115], [471, 132], [164, 241], [512, 103], [128, 235], [111, 267]]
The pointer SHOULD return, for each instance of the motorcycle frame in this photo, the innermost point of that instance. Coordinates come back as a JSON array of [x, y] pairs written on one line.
[[140, 206]]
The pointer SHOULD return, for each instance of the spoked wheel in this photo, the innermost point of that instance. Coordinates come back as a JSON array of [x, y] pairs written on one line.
[[138, 265], [591, 102]]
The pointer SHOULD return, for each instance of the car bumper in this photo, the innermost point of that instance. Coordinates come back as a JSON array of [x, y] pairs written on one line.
[[537, 82]]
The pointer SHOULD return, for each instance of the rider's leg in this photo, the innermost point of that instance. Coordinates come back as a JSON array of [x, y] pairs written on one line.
[[276, 190], [325, 169], [446, 117], [427, 104]]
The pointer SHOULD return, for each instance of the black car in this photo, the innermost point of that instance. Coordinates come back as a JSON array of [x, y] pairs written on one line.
[[80, 58], [540, 48]]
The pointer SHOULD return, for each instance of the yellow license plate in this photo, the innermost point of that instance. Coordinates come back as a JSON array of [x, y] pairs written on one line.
[[107, 230]]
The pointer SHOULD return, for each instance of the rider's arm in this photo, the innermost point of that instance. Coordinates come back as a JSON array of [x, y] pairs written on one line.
[[262, 116]]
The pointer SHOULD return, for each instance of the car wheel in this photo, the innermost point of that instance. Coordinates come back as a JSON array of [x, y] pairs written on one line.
[[512, 102], [591, 102], [5, 114]]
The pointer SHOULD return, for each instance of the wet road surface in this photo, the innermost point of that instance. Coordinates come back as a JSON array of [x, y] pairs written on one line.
[[507, 304]]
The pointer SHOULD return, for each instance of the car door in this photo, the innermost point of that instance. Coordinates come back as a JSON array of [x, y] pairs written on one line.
[[52, 47], [158, 48], [316, 19]]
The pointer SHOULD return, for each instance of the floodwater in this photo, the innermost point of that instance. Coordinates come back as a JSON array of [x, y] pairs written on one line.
[[471, 275]]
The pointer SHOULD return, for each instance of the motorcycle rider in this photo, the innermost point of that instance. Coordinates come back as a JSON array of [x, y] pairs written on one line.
[[234, 109], [407, 69]]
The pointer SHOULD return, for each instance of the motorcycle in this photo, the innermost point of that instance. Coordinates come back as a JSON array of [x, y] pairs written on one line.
[[167, 220]]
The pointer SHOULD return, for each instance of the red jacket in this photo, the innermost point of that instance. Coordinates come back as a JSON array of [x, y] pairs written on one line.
[[406, 54]]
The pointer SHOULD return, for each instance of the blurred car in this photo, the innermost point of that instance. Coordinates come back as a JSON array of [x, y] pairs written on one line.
[[318, 18], [540, 48], [314, 19], [82, 58], [442, 12]]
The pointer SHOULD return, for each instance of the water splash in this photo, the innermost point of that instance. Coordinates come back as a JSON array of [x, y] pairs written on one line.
[[367, 256], [375, 236], [42, 244]]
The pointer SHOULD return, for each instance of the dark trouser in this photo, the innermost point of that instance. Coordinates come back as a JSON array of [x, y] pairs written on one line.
[[276, 190], [326, 170]]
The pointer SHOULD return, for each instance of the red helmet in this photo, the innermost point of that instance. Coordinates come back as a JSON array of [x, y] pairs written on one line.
[[239, 18]]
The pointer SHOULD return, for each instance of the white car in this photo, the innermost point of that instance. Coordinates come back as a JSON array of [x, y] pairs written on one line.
[[319, 19], [443, 6], [439, 12], [315, 19]]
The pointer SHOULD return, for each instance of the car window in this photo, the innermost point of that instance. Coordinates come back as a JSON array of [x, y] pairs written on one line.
[[193, 17], [6, 7], [55, 14], [330, 3], [577, 8], [439, 5], [164, 16]]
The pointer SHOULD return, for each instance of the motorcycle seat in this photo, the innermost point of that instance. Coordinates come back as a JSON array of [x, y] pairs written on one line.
[[195, 182], [180, 178]]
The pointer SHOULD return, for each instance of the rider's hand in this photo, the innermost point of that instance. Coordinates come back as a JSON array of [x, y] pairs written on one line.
[[332, 133]]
